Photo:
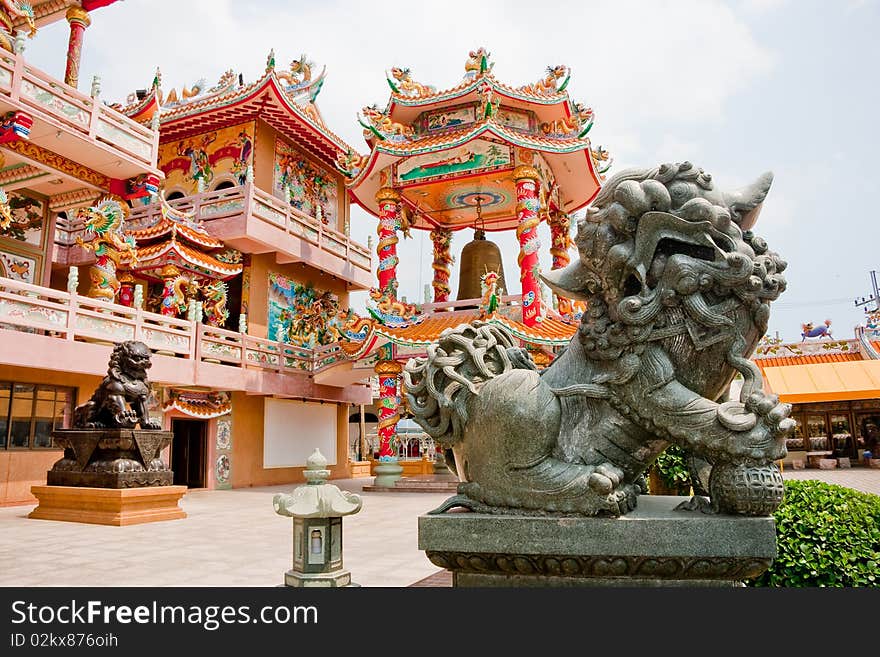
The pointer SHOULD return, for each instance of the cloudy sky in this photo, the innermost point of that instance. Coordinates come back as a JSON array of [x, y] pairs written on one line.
[[736, 87]]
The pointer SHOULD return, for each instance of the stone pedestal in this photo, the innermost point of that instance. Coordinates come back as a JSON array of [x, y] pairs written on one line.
[[655, 545], [108, 506], [111, 458]]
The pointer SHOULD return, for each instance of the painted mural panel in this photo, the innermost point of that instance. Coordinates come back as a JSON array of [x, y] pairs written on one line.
[[208, 157], [513, 118], [312, 189], [18, 267], [475, 156], [223, 460], [450, 118], [301, 315], [28, 218]]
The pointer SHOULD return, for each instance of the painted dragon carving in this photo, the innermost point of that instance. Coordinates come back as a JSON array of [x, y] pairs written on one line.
[[578, 124], [382, 126], [106, 220], [215, 296], [550, 84], [678, 291], [404, 84]]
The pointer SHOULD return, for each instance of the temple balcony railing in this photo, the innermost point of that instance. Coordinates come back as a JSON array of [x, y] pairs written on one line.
[[253, 221], [74, 125], [49, 329]]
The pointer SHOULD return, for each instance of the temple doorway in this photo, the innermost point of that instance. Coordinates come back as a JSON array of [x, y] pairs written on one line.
[[189, 452]]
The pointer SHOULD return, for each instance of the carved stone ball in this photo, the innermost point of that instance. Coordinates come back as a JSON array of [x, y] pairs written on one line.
[[747, 490]]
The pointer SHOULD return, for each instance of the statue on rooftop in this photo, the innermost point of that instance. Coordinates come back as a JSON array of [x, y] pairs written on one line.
[[10, 10], [678, 291]]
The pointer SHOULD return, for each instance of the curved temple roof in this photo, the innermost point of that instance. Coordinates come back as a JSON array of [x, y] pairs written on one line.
[[437, 127]]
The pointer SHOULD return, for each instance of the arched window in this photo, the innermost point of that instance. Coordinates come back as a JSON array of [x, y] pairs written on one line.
[[174, 195], [226, 184]]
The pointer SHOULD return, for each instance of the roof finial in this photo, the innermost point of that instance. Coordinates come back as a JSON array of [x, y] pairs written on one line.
[[270, 61]]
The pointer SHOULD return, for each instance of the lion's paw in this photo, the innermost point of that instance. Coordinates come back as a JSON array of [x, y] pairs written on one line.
[[605, 478]]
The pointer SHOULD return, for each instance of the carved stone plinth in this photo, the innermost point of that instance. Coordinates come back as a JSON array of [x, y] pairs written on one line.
[[108, 506], [655, 545], [111, 458]]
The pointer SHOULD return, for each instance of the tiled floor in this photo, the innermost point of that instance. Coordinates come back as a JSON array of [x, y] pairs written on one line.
[[234, 538]]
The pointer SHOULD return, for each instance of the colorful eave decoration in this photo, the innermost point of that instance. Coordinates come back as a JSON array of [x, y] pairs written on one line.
[[151, 259], [367, 334], [279, 98], [201, 405]]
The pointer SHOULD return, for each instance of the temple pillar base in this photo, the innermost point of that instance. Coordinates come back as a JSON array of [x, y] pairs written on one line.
[[387, 472]]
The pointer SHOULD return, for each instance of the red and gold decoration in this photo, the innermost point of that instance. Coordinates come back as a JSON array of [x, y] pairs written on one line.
[[126, 289], [15, 127], [389, 223], [443, 260], [389, 372], [527, 206], [79, 21], [561, 242]]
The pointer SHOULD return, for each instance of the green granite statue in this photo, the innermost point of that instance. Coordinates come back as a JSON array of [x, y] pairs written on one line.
[[678, 291]]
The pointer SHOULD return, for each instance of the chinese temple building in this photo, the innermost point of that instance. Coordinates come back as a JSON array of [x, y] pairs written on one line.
[[834, 388], [61, 149], [224, 248], [482, 155]]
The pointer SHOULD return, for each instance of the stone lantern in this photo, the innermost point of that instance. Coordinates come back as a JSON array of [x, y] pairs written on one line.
[[317, 509]]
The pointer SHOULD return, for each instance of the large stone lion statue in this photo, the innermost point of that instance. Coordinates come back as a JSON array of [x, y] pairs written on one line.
[[678, 291], [120, 402]]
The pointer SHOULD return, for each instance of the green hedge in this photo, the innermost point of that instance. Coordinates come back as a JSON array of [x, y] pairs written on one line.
[[826, 535]]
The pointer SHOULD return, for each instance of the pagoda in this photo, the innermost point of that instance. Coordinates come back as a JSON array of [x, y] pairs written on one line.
[[483, 155], [178, 254]]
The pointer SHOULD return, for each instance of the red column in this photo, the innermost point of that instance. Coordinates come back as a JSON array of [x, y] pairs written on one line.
[[389, 372], [389, 222], [527, 206], [560, 225], [442, 240], [79, 21]]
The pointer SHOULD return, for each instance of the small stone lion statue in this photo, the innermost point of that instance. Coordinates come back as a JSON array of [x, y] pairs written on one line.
[[120, 402]]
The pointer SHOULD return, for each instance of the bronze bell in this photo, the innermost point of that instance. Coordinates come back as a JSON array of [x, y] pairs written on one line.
[[477, 257]]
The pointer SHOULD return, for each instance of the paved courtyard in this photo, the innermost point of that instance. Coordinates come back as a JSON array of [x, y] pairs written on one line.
[[234, 538]]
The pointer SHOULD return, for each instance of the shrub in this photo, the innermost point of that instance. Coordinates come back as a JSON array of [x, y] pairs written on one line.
[[826, 535], [672, 472]]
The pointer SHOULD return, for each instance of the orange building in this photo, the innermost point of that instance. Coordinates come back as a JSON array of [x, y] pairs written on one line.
[[834, 388]]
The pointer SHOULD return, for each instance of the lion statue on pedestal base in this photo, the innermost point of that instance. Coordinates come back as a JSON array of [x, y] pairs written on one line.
[[678, 291]]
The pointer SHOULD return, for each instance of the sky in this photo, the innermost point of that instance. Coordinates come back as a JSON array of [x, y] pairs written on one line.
[[737, 88]]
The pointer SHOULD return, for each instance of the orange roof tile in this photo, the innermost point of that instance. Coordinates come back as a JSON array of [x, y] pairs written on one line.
[[148, 253], [165, 226], [807, 359], [550, 331]]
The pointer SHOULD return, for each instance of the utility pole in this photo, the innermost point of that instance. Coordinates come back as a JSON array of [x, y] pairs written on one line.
[[874, 298]]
